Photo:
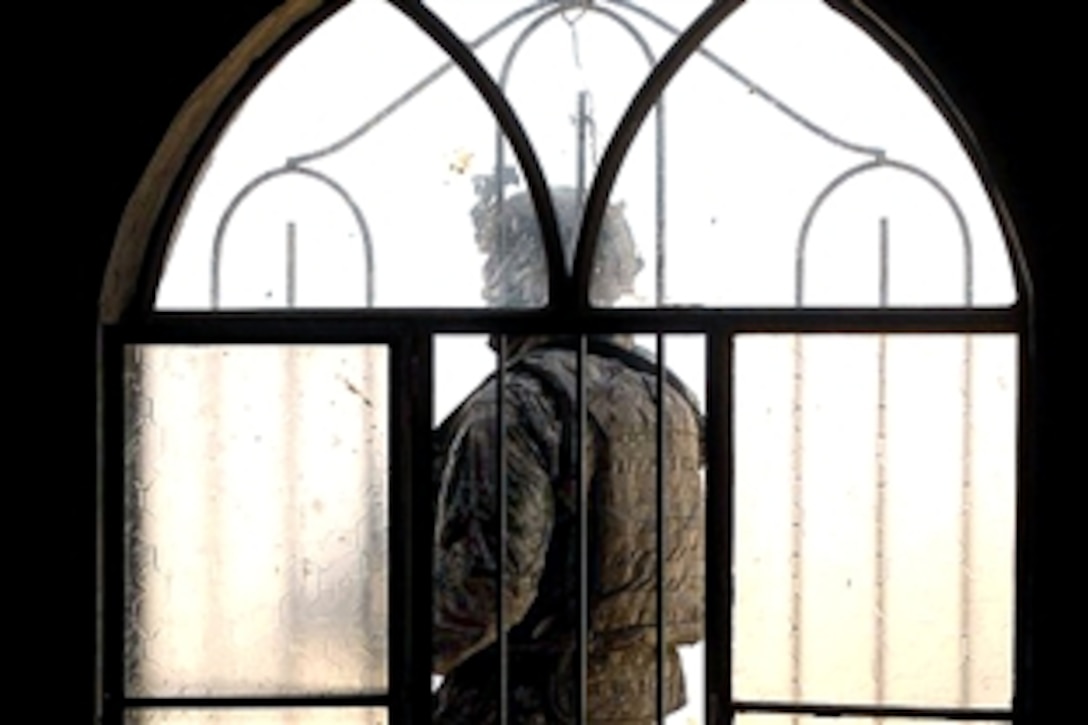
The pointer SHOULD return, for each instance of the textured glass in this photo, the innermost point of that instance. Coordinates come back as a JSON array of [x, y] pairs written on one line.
[[327, 153], [263, 716], [875, 482], [256, 520]]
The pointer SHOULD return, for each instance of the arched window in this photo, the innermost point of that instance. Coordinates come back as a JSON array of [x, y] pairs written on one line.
[[804, 242]]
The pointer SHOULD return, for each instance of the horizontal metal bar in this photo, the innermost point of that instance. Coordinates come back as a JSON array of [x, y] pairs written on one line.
[[826, 710], [381, 326], [258, 701]]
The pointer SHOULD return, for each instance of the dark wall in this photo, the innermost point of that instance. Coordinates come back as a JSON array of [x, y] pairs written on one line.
[[126, 67]]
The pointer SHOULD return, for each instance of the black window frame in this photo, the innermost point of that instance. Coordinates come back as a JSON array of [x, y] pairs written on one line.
[[410, 334]]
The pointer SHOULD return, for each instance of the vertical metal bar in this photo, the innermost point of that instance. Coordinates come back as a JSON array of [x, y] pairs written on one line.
[[99, 531], [291, 506], [797, 523], [292, 262], [967, 489], [659, 294], [422, 513], [662, 509], [580, 172], [213, 504], [719, 529], [376, 594], [112, 526], [1025, 682], [583, 534], [885, 263], [500, 465], [401, 577], [580, 148], [411, 527], [966, 528], [659, 200], [500, 193], [880, 573], [290, 467]]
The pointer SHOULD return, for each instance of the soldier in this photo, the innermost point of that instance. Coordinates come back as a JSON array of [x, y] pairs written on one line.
[[540, 559]]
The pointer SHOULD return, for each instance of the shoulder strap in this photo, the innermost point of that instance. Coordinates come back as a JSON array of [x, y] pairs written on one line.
[[561, 391], [602, 347]]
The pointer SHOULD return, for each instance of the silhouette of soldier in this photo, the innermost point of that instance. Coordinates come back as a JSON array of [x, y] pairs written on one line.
[[540, 556]]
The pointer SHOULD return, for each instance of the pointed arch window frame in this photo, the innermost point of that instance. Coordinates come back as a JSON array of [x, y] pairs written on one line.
[[128, 317]]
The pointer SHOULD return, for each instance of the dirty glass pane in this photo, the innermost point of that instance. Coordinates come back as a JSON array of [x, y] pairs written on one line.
[[256, 529], [341, 148], [875, 482], [793, 135], [539, 403], [263, 716]]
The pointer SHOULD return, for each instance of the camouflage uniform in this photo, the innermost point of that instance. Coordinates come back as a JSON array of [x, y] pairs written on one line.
[[541, 556]]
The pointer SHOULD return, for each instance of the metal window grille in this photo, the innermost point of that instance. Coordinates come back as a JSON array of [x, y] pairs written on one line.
[[408, 336]]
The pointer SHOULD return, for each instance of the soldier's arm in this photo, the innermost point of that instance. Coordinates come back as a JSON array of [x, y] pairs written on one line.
[[467, 550]]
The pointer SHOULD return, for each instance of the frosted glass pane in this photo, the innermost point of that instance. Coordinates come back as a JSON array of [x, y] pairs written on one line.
[[256, 520], [875, 482], [264, 716]]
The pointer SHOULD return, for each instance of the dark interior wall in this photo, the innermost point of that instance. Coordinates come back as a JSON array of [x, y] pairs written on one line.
[[128, 66]]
